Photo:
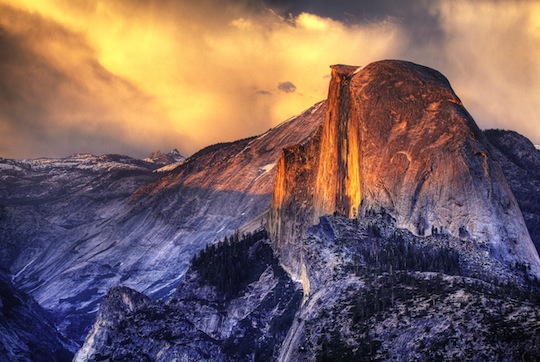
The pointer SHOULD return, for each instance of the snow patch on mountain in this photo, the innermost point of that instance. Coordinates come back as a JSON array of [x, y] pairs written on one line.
[[267, 168], [169, 167]]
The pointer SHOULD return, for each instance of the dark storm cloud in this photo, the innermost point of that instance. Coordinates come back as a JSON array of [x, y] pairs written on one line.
[[287, 87], [416, 18], [353, 10]]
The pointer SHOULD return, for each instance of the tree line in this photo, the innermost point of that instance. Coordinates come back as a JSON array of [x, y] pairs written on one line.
[[229, 264]]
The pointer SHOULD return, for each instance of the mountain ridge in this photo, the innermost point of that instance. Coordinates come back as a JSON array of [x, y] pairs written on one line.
[[64, 227]]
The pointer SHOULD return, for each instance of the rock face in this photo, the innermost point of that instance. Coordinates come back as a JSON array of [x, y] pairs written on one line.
[[397, 139], [520, 162], [118, 303], [378, 292]]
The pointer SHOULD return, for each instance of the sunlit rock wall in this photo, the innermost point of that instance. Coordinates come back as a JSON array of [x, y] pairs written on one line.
[[396, 138]]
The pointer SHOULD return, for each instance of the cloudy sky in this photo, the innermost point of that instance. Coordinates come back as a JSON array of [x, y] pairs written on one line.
[[133, 76]]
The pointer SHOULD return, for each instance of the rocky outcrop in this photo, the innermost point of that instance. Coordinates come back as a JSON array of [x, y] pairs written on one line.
[[117, 305], [381, 293], [397, 139], [208, 318]]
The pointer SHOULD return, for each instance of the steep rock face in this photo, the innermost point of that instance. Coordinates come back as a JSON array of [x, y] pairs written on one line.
[[520, 162], [397, 139]]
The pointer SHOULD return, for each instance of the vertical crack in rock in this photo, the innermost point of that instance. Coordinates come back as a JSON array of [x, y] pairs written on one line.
[[338, 179]]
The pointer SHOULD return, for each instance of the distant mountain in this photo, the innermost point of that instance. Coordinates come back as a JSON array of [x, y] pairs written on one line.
[[167, 161], [392, 221]]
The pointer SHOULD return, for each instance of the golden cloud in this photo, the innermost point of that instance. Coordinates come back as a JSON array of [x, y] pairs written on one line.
[[194, 72], [131, 76]]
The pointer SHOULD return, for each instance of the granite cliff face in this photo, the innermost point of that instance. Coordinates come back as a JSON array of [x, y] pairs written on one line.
[[520, 162], [397, 139]]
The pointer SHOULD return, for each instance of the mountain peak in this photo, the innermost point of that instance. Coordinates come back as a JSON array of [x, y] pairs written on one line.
[[397, 139], [344, 70], [164, 159]]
